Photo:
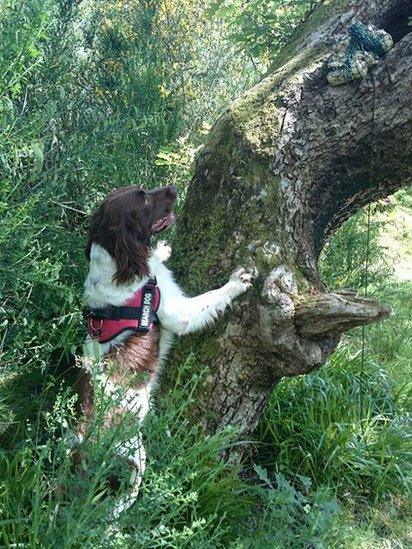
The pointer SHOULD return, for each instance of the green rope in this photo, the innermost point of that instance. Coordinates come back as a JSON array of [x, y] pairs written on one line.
[[367, 262], [363, 38], [365, 46]]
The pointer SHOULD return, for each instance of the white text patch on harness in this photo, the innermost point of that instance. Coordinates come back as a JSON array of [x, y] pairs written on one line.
[[146, 308]]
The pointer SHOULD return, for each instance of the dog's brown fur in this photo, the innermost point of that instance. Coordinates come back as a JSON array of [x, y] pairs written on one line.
[[132, 365], [123, 223]]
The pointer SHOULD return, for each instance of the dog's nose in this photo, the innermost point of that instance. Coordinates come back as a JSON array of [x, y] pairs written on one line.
[[171, 191]]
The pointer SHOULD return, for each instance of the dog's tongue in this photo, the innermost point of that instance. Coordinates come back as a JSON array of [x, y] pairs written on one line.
[[163, 223]]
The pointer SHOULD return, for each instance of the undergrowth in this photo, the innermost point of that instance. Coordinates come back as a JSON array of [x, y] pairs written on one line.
[[347, 426], [190, 497]]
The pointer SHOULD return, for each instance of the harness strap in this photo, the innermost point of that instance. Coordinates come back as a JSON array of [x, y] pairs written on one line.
[[145, 315], [112, 313], [146, 308]]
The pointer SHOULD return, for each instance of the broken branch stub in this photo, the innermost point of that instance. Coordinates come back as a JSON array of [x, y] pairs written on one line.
[[337, 312]]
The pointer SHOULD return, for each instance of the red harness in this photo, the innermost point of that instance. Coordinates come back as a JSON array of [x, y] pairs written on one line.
[[137, 314]]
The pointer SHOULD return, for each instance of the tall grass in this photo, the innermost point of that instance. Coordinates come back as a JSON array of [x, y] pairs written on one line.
[[189, 498], [345, 427]]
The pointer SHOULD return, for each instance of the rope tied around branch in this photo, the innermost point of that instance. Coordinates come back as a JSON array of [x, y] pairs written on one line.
[[363, 48]]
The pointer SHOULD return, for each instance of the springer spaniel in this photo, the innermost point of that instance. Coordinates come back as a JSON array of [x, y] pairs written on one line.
[[122, 262]]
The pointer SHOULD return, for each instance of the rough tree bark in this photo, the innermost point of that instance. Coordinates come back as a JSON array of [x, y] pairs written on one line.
[[283, 167]]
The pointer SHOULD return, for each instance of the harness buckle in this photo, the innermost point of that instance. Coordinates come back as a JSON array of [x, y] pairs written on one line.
[[97, 331], [151, 284], [113, 312]]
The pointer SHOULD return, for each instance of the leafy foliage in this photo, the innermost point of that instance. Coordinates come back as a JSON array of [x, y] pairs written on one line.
[[343, 258], [190, 497], [83, 109], [262, 27]]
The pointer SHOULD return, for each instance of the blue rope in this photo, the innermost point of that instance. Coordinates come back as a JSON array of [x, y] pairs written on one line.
[[366, 45], [363, 38]]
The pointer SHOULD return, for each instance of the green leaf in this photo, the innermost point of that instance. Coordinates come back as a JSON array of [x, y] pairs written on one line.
[[37, 150]]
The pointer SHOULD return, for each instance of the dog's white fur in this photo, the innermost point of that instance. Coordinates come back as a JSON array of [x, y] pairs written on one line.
[[178, 315]]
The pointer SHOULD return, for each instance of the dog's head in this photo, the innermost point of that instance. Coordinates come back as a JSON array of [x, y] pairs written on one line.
[[124, 223]]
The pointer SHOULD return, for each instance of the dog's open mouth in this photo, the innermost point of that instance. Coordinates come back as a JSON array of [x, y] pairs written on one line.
[[163, 223]]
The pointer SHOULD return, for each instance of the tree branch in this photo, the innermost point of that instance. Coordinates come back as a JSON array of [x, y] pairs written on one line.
[[334, 313]]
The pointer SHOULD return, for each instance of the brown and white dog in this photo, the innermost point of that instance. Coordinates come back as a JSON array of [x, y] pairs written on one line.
[[121, 263]]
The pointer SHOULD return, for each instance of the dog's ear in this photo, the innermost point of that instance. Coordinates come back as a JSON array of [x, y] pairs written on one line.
[[124, 233], [131, 255], [95, 223]]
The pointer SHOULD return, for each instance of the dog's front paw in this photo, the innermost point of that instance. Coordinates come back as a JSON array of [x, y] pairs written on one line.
[[240, 281], [163, 251]]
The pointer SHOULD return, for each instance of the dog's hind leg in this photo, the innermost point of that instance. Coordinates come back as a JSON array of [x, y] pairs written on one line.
[[133, 450], [133, 406]]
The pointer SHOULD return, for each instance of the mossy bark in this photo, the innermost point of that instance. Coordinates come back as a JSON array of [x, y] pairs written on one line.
[[284, 166]]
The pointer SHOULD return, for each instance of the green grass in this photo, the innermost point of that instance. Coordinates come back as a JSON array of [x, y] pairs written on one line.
[[347, 427], [344, 427], [190, 497], [386, 525]]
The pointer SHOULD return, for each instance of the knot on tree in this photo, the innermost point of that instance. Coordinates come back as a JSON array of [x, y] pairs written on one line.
[[303, 329]]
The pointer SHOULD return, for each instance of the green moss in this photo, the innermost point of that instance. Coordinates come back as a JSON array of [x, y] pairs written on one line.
[[301, 281], [234, 235], [231, 214]]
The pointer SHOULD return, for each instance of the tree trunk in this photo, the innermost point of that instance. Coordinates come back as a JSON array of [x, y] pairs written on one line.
[[283, 167]]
